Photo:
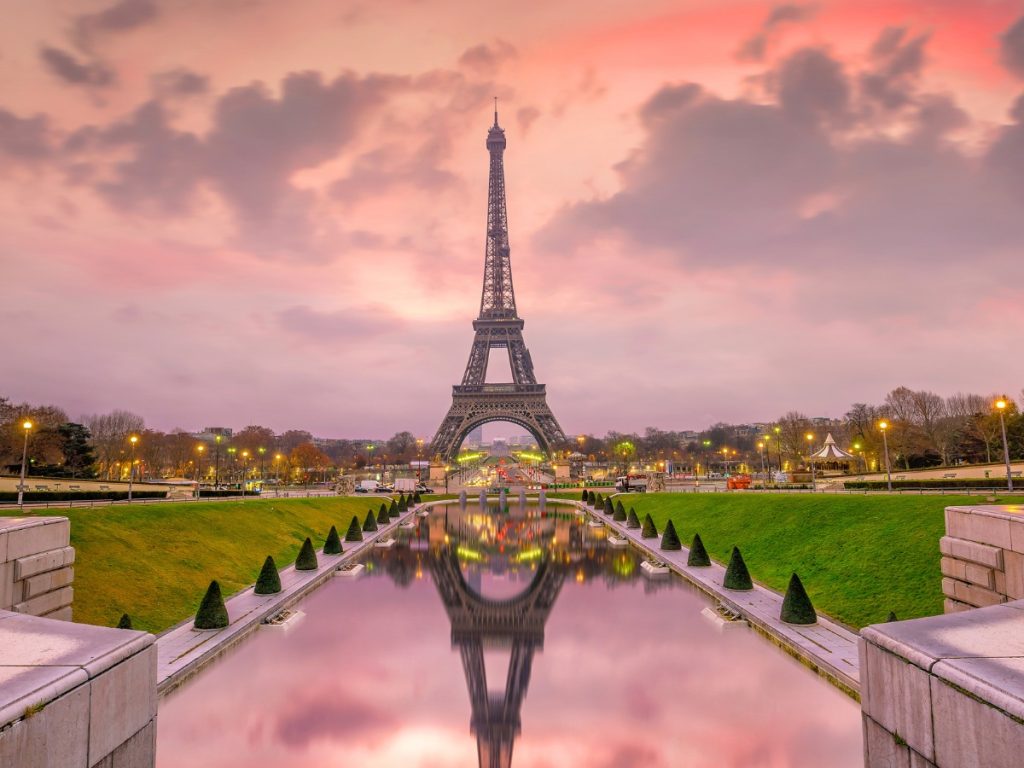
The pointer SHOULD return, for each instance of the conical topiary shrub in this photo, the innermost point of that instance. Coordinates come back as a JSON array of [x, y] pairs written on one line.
[[125, 622], [585, 496], [393, 509], [632, 521], [650, 530], [416, 499], [796, 605], [382, 516], [269, 581], [736, 575], [890, 617], [670, 539], [403, 503], [698, 556], [609, 509], [333, 544], [306, 561], [370, 523], [355, 531], [620, 513], [212, 612], [588, 497], [599, 501]]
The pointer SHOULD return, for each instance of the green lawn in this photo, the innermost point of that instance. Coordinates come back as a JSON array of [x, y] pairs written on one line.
[[858, 556], [155, 561]]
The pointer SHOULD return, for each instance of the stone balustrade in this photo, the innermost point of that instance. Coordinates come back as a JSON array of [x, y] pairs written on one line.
[[982, 556]]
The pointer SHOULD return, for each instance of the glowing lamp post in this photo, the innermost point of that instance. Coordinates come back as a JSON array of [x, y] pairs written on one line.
[[1001, 408], [241, 484], [883, 427], [27, 426], [810, 458], [199, 467], [131, 467], [760, 450], [216, 470]]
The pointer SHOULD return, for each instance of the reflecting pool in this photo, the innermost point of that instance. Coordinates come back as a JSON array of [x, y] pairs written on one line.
[[496, 639]]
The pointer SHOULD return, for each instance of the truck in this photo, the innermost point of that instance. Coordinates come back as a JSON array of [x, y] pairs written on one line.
[[367, 486], [405, 484], [631, 484]]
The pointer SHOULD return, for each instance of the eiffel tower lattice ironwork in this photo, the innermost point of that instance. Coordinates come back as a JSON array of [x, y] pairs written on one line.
[[478, 623], [522, 401]]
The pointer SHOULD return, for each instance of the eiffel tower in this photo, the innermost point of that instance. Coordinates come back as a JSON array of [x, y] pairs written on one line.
[[474, 402]]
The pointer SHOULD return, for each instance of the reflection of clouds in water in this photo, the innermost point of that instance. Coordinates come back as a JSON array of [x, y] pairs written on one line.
[[626, 678]]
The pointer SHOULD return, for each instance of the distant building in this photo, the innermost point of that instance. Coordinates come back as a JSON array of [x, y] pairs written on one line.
[[475, 438], [209, 434]]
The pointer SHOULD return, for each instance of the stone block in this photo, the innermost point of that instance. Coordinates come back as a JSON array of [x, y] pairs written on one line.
[[123, 702], [999, 579], [54, 533], [138, 752], [954, 568], [61, 614], [48, 603], [6, 586], [984, 529], [971, 551], [24, 567], [980, 575], [1014, 575], [970, 732], [897, 695], [949, 587], [1017, 535], [881, 750], [975, 595], [949, 605], [37, 585], [3, 547], [57, 735]]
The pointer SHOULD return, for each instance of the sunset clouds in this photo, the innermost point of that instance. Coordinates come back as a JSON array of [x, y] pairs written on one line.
[[248, 212]]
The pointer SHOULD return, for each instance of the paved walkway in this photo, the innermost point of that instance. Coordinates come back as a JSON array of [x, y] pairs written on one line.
[[182, 651], [826, 647]]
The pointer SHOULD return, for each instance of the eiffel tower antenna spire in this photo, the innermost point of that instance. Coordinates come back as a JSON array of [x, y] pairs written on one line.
[[498, 326]]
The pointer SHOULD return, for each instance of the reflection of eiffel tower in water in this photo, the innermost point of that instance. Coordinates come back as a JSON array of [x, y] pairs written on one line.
[[480, 623]]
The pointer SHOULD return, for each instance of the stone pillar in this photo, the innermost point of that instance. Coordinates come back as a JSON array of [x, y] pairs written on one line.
[[982, 556], [36, 566], [561, 471]]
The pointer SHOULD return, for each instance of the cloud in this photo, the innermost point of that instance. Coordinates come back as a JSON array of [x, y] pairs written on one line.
[[357, 323], [66, 67], [1011, 48], [24, 139], [123, 16], [896, 64], [526, 116], [333, 715], [179, 82], [755, 47], [487, 59], [812, 86]]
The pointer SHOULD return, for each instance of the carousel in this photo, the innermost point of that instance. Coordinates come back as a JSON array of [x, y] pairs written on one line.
[[832, 458]]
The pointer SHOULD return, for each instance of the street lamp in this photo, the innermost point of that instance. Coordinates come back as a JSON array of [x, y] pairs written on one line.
[[241, 484], [199, 469], [277, 467], [131, 469], [707, 469], [760, 450], [216, 471], [883, 426], [810, 458], [262, 452], [768, 452], [233, 452], [1001, 407], [27, 426]]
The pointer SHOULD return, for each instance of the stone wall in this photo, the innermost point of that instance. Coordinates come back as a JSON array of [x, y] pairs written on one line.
[[75, 695], [36, 566], [982, 556]]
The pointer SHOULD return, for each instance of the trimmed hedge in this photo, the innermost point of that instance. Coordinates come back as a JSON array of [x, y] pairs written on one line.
[[736, 575], [649, 530], [370, 523], [125, 622], [333, 544], [393, 509], [584, 496], [609, 508], [997, 483], [212, 613], [355, 531], [796, 605], [382, 515], [30, 496], [698, 557], [403, 503], [620, 513], [269, 580], [670, 539], [416, 499], [306, 561], [632, 521]]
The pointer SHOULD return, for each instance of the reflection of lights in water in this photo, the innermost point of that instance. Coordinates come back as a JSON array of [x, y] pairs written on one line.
[[580, 576], [624, 565]]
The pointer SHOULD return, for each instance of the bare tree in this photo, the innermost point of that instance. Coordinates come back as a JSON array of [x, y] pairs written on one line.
[[110, 434]]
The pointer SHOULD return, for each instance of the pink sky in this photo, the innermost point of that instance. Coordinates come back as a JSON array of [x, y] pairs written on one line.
[[253, 212]]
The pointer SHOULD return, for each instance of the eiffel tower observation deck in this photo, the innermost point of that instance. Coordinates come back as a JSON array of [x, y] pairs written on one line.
[[522, 401]]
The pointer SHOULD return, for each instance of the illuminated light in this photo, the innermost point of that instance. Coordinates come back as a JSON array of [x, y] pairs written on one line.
[[1001, 404], [133, 439], [468, 554], [883, 425], [528, 554], [26, 425]]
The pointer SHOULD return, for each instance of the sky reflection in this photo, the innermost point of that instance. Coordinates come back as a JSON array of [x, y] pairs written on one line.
[[630, 675]]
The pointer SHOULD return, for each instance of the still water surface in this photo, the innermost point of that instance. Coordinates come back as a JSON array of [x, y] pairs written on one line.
[[518, 639]]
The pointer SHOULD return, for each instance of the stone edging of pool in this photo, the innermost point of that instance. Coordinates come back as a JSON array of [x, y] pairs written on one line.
[[183, 651], [827, 647]]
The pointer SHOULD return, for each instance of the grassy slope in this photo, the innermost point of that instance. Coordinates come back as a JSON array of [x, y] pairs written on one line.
[[859, 556], [155, 561]]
